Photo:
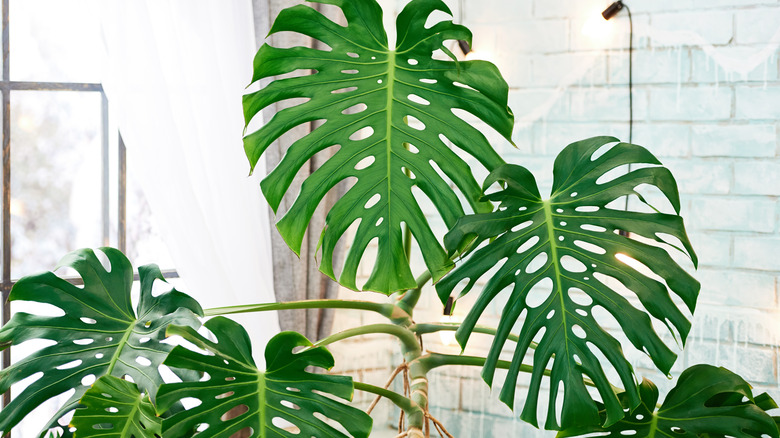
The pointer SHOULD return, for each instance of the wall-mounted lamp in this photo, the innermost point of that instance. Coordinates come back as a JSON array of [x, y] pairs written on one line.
[[612, 10], [464, 46], [448, 336]]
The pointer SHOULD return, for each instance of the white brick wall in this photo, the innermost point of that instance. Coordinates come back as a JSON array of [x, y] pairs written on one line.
[[707, 102]]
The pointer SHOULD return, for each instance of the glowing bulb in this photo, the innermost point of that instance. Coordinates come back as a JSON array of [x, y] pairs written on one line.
[[482, 55], [597, 27], [448, 336]]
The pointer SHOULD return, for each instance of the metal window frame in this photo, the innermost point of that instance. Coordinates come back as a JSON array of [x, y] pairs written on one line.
[[6, 87]]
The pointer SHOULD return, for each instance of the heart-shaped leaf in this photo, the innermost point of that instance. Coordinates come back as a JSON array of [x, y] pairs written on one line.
[[99, 333], [707, 401], [236, 396], [362, 83], [564, 259], [115, 408]]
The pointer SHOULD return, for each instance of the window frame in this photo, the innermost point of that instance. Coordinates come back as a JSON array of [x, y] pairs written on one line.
[[7, 86]]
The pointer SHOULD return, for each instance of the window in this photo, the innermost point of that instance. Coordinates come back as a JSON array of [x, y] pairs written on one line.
[[65, 178]]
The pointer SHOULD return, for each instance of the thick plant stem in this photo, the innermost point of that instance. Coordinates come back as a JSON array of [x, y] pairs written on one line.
[[410, 298], [411, 409], [407, 338], [390, 311]]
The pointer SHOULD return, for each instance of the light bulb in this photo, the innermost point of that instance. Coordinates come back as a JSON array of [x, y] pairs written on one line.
[[448, 336]]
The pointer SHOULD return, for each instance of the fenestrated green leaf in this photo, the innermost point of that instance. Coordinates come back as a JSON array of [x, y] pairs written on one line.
[[99, 333], [562, 260], [115, 408], [237, 396], [362, 72], [706, 402]]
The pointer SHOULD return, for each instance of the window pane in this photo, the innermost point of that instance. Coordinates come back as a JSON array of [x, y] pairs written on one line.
[[55, 177], [144, 239], [54, 40]]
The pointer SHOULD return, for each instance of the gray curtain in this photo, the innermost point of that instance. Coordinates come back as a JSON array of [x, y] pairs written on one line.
[[294, 278]]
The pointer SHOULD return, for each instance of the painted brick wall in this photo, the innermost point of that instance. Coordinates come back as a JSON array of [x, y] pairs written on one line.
[[706, 102]]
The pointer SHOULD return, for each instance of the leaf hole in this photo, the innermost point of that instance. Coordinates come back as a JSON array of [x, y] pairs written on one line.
[[578, 331], [109, 338], [350, 72], [365, 162], [86, 320], [112, 410], [291, 389], [224, 395], [571, 264], [462, 85], [539, 293], [234, 412], [415, 123], [103, 259], [428, 81], [408, 173], [85, 341], [612, 174], [88, 380], [587, 208], [99, 356], [353, 55], [587, 246], [380, 220], [628, 432], [537, 263], [413, 61], [69, 365], [140, 360], [581, 312], [419, 100], [355, 109], [521, 226], [362, 133], [578, 296], [576, 359], [559, 210], [574, 194], [601, 151], [230, 379], [372, 201], [413, 149], [594, 228], [560, 393], [144, 340], [247, 431], [550, 314], [528, 244], [344, 90], [290, 405], [563, 223]]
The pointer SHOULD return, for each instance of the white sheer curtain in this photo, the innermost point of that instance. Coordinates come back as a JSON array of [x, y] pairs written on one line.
[[175, 73]]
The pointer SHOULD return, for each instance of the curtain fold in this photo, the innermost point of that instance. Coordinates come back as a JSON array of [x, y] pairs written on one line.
[[175, 72], [294, 278]]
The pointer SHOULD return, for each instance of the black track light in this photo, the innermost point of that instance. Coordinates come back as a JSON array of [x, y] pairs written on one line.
[[612, 10], [464, 47]]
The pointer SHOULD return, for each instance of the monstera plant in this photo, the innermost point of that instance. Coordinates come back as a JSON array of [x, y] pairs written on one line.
[[400, 121]]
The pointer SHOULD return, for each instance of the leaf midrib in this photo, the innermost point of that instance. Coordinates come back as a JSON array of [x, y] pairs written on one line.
[[555, 262]]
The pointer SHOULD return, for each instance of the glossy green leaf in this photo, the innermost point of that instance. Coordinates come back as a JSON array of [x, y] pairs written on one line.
[[362, 83], [98, 333], [115, 408], [234, 385], [706, 402], [563, 259]]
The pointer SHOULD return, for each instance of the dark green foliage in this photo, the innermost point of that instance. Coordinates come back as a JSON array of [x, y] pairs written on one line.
[[234, 385], [571, 242], [361, 72], [706, 402], [98, 334], [114, 408]]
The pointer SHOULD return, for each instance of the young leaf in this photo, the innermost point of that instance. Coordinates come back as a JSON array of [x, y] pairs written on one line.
[[99, 333], [707, 401], [362, 83], [237, 396], [114, 408], [564, 259]]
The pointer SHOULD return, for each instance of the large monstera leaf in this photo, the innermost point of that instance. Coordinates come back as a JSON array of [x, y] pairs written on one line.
[[99, 334], [236, 396], [115, 408], [564, 258], [706, 402], [362, 83]]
